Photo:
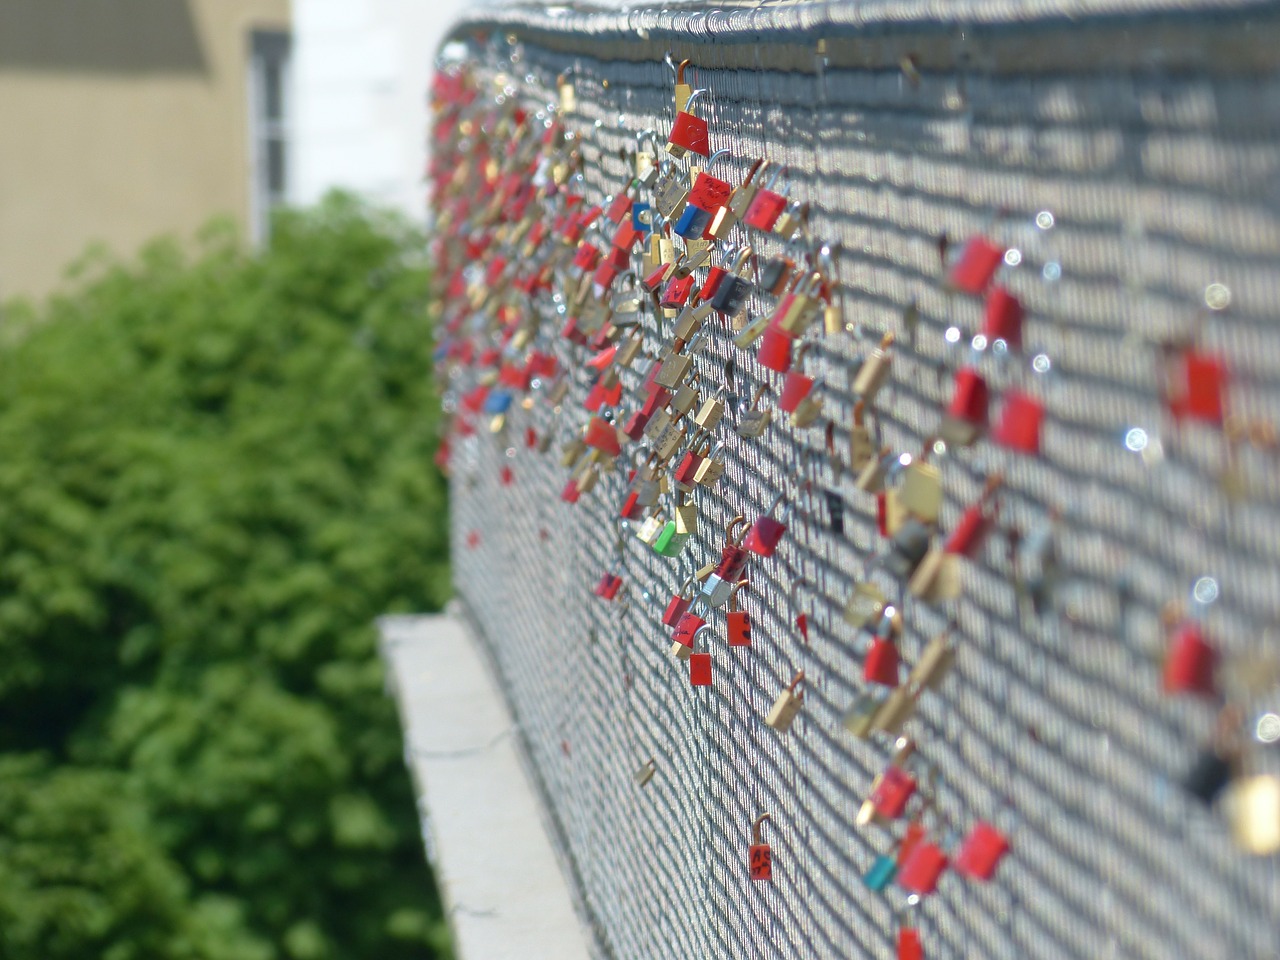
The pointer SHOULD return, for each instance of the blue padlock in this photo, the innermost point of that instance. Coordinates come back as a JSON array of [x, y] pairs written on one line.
[[881, 873], [693, 222], [498, 401], [641, 220]]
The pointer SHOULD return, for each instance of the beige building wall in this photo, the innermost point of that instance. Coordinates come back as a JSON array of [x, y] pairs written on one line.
[[120, 121]]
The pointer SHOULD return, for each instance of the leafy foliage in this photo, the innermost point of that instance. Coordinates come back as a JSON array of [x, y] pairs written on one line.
[[217, 473]]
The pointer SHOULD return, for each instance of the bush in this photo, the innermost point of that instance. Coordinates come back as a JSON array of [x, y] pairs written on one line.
[[216, 473]]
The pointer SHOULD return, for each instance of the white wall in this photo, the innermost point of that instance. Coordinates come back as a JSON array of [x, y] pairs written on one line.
[[360, 74]]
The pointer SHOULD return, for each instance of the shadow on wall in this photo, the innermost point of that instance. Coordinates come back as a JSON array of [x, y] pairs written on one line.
[[120, 36]]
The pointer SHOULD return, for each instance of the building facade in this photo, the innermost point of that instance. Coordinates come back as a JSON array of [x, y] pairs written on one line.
[[127, 120]]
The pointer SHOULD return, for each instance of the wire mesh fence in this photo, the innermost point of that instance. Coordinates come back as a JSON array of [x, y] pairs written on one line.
[[1126, 157]]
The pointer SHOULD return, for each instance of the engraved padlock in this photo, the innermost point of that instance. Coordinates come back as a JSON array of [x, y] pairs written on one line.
[[689, 133], [784, 710]]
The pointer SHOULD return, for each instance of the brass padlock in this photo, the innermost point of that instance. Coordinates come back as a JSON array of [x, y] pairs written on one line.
[[587, 479], [871, 478], [680, 651], [1252, 807], [684, 399], [669, 442], [861, 451], [710, 470], [629, 349], [937, 578], [741, 198], [860, 718], [670, 193], [807, 411], [691, 320], [652, 258], [645, 773], [687, 519], [897, 709], [674, 369], [571, 451], [649, 530], [874, 371], [752, 332], [658, 424], [792, 219], [865, 605], [683, 90], [921, 490], [709, 414], [934, 664], [787, 705]]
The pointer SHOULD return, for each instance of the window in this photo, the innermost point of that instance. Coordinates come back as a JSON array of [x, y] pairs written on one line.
[[268, 118]]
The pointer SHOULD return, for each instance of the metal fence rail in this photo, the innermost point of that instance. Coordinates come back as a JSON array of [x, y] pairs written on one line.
[[1129, 154]]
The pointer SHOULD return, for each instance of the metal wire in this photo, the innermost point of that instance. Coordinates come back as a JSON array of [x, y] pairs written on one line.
[[1160, 182]]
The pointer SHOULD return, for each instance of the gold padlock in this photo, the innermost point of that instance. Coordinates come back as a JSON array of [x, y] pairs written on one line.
[[787, 705], [874, 371], [586, 481], [709, 414], [648, 531], [680, 651], [658, 424], [571, 451], [683, 90], [645, 773], [921, 490], [859, 719], [1252, 806], [752, 332], [629, 349], [861, 451], [792, 218], [691, 320], [710, 470], [684, 399], [674, 369], [865, 605], [937, 578], [896, 711], [740, 199], [687, 519], [807, 410], [872, 477], [669, 442], [934, 664]]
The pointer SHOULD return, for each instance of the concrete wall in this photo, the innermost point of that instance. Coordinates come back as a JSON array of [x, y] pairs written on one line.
[[119, 121], [361, 70]]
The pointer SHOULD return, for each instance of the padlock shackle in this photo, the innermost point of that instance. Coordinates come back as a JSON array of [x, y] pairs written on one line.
[[733, 594], [693, 641], [755, 828], [755, 397], [795, 682], [773, 179], [741, 522], [755, 168], [740, 259], [688, 104], [684, 65], [689, 581], [722, 152]]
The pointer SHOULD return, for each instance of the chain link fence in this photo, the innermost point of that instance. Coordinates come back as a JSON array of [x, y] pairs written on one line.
[[1128, 156]]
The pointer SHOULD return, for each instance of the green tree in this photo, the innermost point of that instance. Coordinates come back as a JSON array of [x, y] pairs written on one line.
[[217, 472]]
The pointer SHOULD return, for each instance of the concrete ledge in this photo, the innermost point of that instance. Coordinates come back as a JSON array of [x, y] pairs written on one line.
[[482, 821]]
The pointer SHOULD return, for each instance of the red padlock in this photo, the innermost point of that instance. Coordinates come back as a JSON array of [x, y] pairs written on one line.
[[700, 669], [976, 265], [895, 788], [1020, 421], [1191, 662], [1003, 318], [1197, 387], [712, 283], [921, 870], [969, 401], [981, 852], [739, 620], [909, 945], [914, 833], [974, 522], [766, 533], [506, 476], [795, 388], [678, 606], [603, 436], [775, 349], [585, 259], [634, 427], [677, 291], [766, 206], [632, 508], [609, 586], [689, 133], [688, 625], [687, 467], [709, 193], [761, 858], [619, 208], [881, 663]]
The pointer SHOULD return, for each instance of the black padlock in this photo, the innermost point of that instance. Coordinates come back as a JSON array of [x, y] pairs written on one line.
[[775, 274], [1209, 775], [731, 295], [909, 546]]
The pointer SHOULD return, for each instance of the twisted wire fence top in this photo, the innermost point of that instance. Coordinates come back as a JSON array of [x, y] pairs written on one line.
[[1127, 153]]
